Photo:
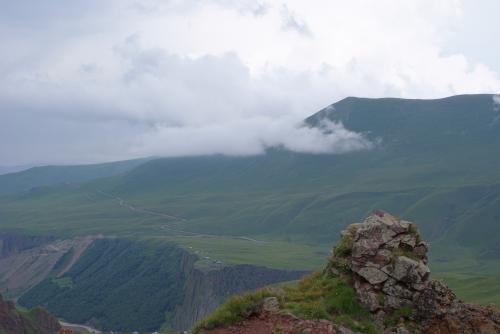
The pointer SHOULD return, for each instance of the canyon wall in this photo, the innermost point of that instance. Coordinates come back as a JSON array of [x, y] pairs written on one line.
[[121, 284]]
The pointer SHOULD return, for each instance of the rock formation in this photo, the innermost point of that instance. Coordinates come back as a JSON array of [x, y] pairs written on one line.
[[36, 321], [388, 263]]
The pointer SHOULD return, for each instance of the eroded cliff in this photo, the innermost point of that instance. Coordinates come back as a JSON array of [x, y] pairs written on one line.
[[127, 285], [26, 260]]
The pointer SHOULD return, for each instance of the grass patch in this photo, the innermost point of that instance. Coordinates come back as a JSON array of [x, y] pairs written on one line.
[[414, 230], [344, 246], [402, 251], [318, 296], [235, 309], [340, 264], [33, 314], [393, 318], [271, 253], [63, 282]]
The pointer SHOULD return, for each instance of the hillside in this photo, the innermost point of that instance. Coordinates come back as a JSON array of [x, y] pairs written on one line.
[[377, 281], [46, 176], [434, 161]]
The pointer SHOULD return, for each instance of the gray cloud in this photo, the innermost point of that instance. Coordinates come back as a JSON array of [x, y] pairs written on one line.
[[158, 103], [87, 81]]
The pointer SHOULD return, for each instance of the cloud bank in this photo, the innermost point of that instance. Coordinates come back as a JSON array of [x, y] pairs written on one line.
[[92, 80]]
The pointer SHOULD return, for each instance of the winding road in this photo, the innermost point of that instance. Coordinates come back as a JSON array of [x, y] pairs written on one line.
[[167, 227], [79, 327]]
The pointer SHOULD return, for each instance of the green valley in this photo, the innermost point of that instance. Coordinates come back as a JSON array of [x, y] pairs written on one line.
[[434, 162]]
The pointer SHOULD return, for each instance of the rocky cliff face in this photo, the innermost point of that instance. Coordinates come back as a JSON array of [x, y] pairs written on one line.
[[126, 285], [27, 260], [206, 289], [377, 281], [36, 321]]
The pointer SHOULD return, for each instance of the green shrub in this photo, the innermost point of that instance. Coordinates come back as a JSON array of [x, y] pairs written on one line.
[[320, 296], [312, 310], [393, 318], [366, 327], [339, 264], [402, 251], [344, 246], [414, 230]]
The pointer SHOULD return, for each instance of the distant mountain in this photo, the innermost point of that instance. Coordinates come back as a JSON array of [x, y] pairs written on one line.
[[13, 169], [15, 181], [435, 161]]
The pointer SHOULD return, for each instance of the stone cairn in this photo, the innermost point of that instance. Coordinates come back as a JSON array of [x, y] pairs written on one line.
[[387, 262]]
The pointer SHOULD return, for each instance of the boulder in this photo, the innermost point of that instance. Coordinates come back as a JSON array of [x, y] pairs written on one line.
[[388, 261]]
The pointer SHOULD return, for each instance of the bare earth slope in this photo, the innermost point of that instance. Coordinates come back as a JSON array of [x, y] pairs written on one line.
[[25, 261]]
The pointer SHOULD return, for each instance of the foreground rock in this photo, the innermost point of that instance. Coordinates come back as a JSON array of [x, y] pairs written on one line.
[[388, 262], [269, 322], [36, 321], [383, 261]]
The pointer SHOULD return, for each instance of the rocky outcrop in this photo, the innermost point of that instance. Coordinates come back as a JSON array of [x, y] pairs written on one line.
[[36, 321], [25, 261], [377, 281], [387, 261]]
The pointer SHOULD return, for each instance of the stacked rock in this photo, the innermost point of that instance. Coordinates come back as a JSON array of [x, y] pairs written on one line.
[[386, 260]]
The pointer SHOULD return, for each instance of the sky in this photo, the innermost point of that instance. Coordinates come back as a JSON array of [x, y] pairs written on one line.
[[87, 81]]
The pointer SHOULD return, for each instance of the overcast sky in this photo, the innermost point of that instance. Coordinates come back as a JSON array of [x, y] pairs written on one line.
[[99, 80]]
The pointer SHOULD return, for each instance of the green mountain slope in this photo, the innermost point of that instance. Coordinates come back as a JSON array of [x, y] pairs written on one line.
[[53, 175], [435, 161], [134, 286]]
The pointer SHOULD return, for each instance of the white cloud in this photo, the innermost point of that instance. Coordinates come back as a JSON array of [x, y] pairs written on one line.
[[126, 78], [496, 100], [248, 137], [291, 22]]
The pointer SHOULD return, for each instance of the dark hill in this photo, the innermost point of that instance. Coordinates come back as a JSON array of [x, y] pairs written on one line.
[[53, 175]]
